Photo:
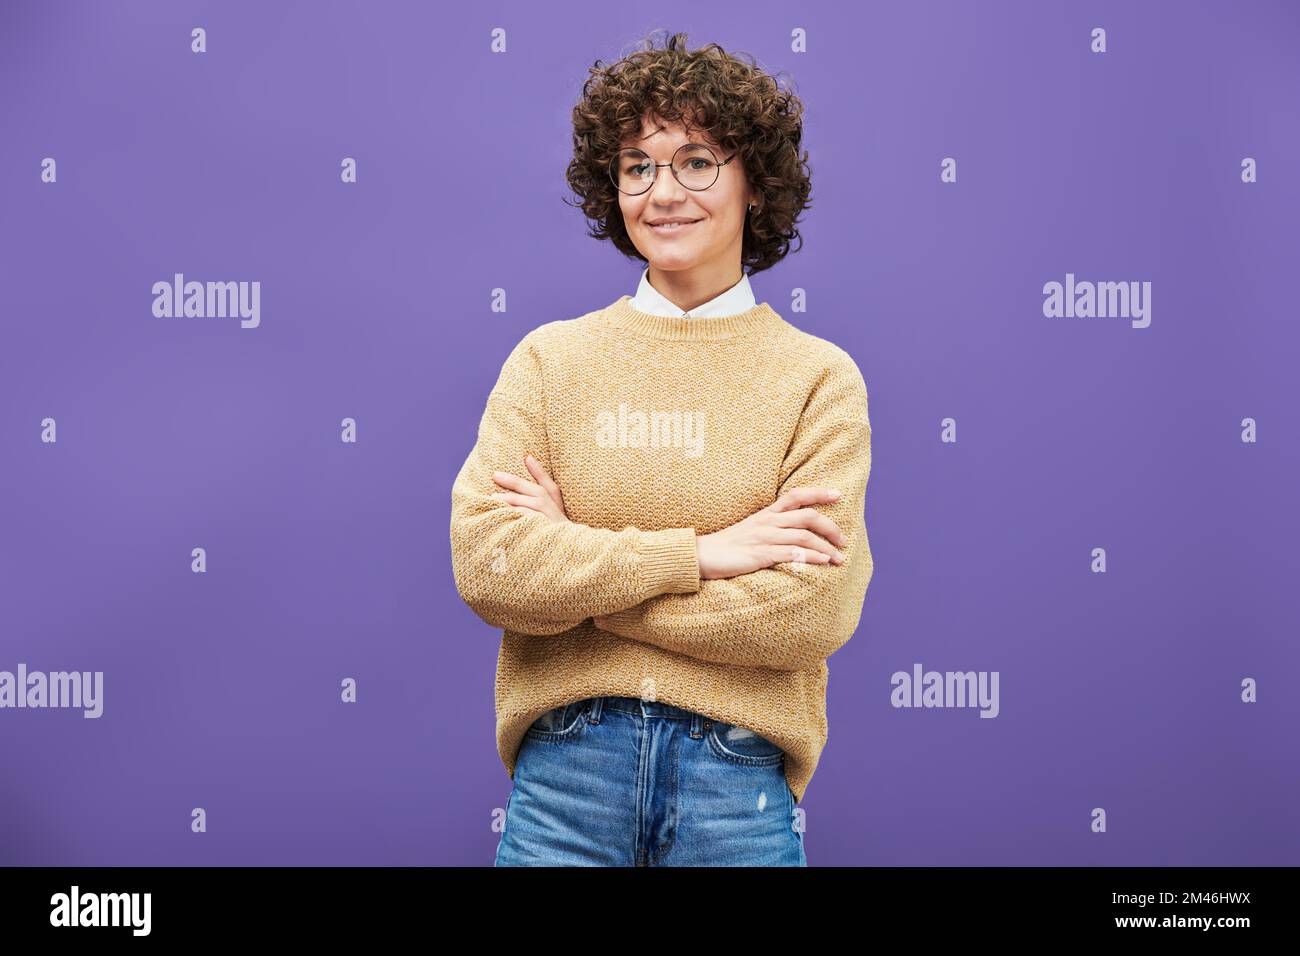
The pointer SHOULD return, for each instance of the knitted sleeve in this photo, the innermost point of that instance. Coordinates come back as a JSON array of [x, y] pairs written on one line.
[[520, 571], [789, 616]]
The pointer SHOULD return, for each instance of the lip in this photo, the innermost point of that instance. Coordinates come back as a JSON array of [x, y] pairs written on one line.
[[673, 230]]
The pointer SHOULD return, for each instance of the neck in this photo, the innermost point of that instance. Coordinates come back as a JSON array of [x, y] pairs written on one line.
[[691, 289]]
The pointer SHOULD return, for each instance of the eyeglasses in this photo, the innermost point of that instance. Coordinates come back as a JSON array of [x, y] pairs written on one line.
[[694, 165]]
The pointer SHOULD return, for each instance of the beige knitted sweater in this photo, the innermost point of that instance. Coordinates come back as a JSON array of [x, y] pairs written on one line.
[[658, 429]]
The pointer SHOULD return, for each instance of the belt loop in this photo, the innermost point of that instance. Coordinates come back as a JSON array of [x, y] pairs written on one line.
[[593, 714], [697, 726]]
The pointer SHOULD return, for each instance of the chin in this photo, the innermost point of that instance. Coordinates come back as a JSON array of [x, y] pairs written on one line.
[[673, 260]]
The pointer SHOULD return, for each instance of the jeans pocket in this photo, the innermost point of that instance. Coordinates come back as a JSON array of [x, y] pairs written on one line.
[[560, 723], [740, 745]]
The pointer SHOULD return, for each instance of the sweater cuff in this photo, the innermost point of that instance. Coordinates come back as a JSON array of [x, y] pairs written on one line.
[[670, 562]]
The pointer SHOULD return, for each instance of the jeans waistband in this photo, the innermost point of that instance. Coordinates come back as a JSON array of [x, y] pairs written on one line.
[[647, 708]]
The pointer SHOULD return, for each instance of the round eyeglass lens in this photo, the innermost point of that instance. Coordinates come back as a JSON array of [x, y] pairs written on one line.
[[694, 165]]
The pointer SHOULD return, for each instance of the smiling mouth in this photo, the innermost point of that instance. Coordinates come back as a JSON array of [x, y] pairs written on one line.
[[672, 226]]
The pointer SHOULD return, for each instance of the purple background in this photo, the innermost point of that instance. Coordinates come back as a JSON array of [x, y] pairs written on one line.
[[328, 560]]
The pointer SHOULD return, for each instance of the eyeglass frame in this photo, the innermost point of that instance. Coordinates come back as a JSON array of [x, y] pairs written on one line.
[[609, 168]]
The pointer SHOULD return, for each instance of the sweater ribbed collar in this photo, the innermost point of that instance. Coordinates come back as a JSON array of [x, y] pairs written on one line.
[[622, 315]]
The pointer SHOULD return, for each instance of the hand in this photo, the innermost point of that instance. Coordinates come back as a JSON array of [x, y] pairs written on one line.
[[783, 531], [543, 496]]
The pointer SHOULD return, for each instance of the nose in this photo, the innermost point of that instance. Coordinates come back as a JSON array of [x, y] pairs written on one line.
[[666, 190]]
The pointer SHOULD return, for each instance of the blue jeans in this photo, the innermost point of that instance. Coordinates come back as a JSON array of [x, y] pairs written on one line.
[[619, 781]]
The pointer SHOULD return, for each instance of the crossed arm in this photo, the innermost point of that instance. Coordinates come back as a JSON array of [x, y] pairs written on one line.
[[521, 569]]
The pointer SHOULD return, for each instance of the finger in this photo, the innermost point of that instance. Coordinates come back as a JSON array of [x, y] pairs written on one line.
[[519, 501], [804, 495], [793, 554], [814, 520], [808, 540], [522, 485], [537, 471], [811, 541]]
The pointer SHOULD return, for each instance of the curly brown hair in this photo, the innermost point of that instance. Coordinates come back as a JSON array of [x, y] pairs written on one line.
[[744, 109]]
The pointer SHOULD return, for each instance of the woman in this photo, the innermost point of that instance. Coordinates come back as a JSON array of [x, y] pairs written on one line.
[[664, 509]]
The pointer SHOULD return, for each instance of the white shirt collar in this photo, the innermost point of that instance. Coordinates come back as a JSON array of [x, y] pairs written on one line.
[[739, 298]]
